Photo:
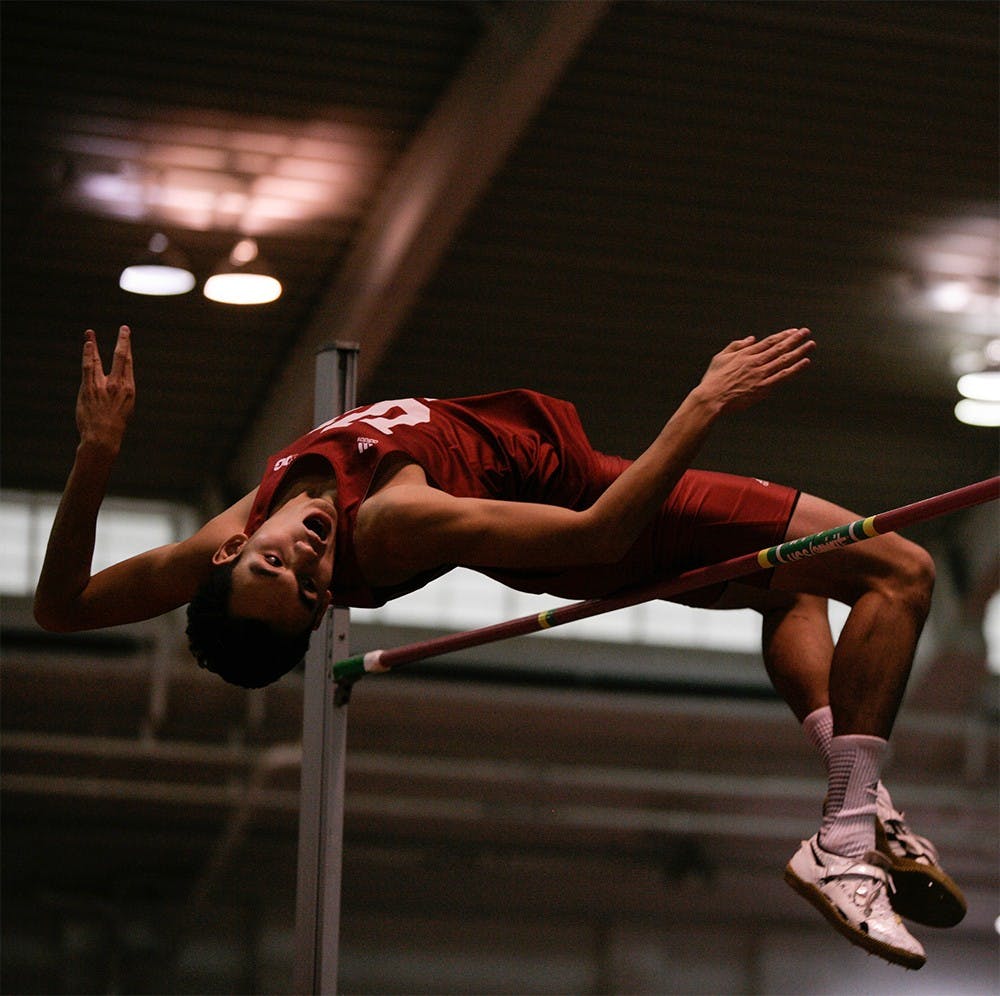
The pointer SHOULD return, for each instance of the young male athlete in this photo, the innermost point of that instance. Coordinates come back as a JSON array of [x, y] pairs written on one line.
[[380, 501]]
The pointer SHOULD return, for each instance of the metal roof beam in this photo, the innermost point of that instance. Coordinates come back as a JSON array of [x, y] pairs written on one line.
[[439, 179]]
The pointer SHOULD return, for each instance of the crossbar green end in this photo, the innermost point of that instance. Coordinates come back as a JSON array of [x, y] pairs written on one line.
[[809, 546], [349, 669]]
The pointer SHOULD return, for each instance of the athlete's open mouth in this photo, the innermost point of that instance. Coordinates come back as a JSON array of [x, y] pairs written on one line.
[[317, 525]]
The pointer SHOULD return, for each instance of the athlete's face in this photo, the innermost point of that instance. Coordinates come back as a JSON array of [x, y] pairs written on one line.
[[283, 573]]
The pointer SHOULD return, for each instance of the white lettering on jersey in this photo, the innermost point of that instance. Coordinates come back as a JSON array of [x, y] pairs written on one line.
[[411, 412], [364, 443], [284, 462]]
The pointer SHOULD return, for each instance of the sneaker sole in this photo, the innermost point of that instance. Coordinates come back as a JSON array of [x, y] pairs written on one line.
[[811, 894], [923, 893]]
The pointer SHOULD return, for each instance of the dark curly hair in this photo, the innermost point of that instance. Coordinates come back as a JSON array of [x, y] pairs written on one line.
[[244, 652]]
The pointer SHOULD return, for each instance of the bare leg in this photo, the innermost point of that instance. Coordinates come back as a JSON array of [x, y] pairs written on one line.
[[887, 581], [798, 650], [795, 641]]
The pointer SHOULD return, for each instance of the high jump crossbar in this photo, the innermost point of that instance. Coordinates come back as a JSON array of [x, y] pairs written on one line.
[[346, 672]]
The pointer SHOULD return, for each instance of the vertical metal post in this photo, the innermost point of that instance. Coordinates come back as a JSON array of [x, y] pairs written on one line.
[[324, 743]]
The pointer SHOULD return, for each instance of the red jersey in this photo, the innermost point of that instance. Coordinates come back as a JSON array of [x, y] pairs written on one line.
[[520, 446]]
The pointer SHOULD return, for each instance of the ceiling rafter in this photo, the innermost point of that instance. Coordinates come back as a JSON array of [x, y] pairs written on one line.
[[435, 185]]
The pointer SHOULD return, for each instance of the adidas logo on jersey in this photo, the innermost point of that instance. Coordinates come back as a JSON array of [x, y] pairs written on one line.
[[364, 443]]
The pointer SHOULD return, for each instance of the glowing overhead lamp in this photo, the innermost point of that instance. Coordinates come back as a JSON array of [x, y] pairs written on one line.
[[984, 413], [980, 404], [980, 385], [950, 295], [243, 278], [162, 271]]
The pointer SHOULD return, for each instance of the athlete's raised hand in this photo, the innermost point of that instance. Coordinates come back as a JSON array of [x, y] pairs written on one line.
[[106, 401], [747, 370]]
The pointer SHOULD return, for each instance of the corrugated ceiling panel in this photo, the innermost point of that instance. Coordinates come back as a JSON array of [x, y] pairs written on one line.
[[708, 170], [226, 93]]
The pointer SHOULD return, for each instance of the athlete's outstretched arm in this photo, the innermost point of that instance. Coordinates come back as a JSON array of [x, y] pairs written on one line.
[[68, 597], [742, 374], [408, 528]]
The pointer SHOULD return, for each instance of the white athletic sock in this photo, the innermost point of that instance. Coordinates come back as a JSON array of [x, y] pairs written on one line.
[[818, 729], [849, 822]]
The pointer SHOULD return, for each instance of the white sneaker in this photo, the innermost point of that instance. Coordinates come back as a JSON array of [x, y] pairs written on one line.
[[924, 892], [853, 895]]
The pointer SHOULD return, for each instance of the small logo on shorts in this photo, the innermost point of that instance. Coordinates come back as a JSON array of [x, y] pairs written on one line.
[[763, 484], [364, 443]]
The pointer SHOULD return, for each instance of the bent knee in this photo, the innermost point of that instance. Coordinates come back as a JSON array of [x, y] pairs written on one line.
[[910, 575]]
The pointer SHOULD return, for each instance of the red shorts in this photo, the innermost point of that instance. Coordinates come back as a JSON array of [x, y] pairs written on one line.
[[708, 518], [711, 517]]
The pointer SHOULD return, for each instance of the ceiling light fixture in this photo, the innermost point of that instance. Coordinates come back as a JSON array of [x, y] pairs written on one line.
[[979, 384], [242, 278], [161, 271], [951, 295], [983, 385], [985, 413]]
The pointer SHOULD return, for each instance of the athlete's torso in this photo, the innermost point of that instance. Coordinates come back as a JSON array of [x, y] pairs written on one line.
[[515, 445]]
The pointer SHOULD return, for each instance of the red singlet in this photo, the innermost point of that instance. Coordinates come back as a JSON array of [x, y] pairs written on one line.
[[524, 446]]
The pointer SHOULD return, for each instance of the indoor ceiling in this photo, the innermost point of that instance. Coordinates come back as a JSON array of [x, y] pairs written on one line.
[[588, 199]]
